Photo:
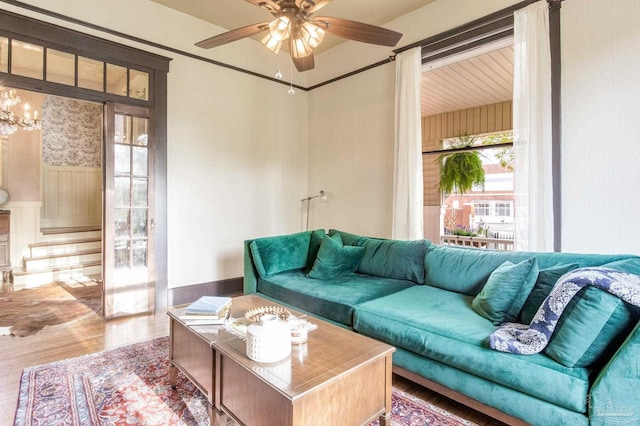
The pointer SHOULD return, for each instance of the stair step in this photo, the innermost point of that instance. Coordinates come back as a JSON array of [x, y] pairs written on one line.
[[48, 243], [70, 230], [45, 248], [78, 272], [48, 261], [71, 236]]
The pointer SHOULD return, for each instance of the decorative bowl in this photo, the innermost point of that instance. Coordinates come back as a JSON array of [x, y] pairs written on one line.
[[253, 315]]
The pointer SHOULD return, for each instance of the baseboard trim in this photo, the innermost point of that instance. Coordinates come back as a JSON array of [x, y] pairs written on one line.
[[189, 293]]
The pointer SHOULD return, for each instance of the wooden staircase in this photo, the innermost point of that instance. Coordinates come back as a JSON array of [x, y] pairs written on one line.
[[63, 255]]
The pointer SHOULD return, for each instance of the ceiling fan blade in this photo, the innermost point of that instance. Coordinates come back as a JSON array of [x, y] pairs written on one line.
[[270, 5], [311, 6], [304, 64], [360, 32], [233, 35]]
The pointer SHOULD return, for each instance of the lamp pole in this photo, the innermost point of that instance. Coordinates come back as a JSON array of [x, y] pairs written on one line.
[[308, 200]]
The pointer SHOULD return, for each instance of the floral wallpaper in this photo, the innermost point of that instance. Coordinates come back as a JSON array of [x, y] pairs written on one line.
[[71, 132]]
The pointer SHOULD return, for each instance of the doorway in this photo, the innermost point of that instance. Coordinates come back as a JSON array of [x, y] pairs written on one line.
[[44, 57], [53, 173], [68, 190], [129, 273]]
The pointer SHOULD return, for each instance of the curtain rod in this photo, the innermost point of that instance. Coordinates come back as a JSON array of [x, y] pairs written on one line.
[[468, 148], [500, 14]]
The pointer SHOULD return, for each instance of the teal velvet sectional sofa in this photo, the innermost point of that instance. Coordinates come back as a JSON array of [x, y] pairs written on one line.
[[438, 304]]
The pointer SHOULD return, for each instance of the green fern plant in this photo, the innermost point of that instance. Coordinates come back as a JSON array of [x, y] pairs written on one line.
[[460, 171]]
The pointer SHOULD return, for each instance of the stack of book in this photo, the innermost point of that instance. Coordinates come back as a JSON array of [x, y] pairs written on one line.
[[207, 310]]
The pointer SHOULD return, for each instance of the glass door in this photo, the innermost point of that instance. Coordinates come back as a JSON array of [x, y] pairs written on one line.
[[128, 243]]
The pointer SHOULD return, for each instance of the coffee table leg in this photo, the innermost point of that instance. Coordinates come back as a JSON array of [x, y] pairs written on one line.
[[173, 376], [385, 419], [217, 417]]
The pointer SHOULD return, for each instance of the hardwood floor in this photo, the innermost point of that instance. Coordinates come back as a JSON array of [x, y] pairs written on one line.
[[94, 334]]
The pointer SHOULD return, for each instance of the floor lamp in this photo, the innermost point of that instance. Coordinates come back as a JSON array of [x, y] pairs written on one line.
[[322, 195]]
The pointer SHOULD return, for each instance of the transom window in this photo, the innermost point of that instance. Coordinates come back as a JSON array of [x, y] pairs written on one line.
[[31, 60]]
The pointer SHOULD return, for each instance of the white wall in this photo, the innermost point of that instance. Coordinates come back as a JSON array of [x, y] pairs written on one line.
[[351, 121], [351, 152], [236, 167], [237, 144], [601, 126]]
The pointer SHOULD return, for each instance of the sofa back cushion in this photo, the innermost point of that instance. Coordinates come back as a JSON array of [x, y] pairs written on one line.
[[630, 265], [466, 270], [348, 239], [272, 255], [385, 258], [400, 260]]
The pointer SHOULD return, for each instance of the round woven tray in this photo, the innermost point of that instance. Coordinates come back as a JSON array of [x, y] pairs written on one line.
[[253, 315]]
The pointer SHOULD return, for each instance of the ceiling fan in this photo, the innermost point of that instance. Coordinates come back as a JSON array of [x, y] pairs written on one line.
[[294, 22]]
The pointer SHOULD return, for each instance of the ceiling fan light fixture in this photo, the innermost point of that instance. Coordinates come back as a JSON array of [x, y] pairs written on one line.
[[293, 22], [301, 48], [280, 28], [272, 43], [313, 33]]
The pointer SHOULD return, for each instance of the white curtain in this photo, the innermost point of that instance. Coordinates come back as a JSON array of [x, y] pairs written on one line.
[[533, 184], [407, 178]]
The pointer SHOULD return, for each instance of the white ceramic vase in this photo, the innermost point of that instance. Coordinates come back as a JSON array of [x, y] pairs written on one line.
[[269, 340]]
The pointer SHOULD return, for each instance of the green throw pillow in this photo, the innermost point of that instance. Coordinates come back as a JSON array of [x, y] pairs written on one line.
[[506, 290], [272, 255], [314, 246], [591, 328], [335, 260], [547, 278]]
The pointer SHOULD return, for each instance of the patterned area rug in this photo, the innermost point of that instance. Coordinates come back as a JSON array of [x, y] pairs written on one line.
[[130, 386]]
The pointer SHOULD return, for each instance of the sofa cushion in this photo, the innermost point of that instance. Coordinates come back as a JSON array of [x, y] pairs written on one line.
[[401, 260], [466, 270], [547, 278], [272, 255], [348, 238], [335, 260], [591, 328], [630, 266], [504, 294], [441, 325], [531, 410], [333, 299]]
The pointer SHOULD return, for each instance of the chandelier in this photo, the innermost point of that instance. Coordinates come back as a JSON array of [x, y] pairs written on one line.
[[10, 122]]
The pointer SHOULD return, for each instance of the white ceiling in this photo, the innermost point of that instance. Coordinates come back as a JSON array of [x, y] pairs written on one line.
[[232, 14], [480, 80]]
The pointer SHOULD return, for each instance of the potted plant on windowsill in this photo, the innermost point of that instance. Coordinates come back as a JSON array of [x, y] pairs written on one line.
[[460, 170]]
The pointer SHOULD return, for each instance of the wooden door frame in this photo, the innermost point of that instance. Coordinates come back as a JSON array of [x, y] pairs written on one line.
[[52, 36], [108, 212]]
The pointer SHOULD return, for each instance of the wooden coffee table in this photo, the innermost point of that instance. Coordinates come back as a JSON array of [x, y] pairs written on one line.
[[337, 377]]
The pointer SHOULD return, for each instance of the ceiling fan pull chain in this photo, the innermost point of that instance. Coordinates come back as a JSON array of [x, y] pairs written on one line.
[[278, 73], [291, 91]]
